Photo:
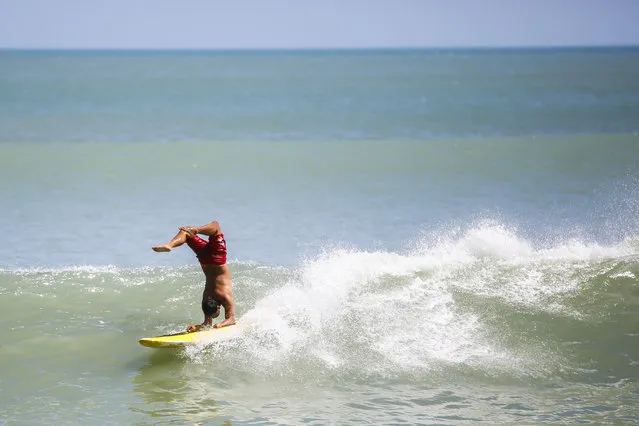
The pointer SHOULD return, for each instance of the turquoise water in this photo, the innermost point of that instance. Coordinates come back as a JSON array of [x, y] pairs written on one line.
[[432, 237], [319, 96]]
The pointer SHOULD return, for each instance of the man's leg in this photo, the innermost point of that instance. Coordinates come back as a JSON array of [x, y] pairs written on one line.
[[178, 240]]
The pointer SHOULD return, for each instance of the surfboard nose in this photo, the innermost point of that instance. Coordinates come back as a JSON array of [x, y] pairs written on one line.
[[203, 337]]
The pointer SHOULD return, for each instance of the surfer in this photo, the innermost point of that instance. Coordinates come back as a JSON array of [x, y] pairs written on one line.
[[212, 257]]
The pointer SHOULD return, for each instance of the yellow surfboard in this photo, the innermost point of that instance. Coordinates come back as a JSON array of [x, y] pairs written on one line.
[[204, 337]]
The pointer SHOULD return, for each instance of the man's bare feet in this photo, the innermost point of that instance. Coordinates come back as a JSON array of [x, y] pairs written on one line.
[[162, 249]]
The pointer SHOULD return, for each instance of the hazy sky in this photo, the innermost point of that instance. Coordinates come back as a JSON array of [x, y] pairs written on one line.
[[254, 24]]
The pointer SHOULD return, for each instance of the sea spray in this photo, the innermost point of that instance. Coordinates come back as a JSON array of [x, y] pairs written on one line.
[[380, 314]]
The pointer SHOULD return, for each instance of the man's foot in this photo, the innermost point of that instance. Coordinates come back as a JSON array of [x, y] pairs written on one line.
[[225, 323], [162, 249]]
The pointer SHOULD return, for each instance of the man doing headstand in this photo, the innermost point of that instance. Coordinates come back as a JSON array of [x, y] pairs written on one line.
[[212, 256]]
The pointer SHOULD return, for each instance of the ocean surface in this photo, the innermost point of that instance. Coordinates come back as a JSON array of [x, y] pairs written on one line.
[[415, 237]]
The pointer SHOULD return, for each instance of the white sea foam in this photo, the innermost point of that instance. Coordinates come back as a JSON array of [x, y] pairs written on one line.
[[385, 312]]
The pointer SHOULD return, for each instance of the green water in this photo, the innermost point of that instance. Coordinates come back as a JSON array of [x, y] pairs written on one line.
[[417, 237]]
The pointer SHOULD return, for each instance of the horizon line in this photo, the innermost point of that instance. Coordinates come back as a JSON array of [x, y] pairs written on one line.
[[320, 49]]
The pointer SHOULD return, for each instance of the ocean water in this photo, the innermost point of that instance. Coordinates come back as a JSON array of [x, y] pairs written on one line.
[[415, 237]]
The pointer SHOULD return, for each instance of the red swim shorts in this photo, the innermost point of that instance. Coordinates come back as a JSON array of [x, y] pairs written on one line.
[[211, 252]]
